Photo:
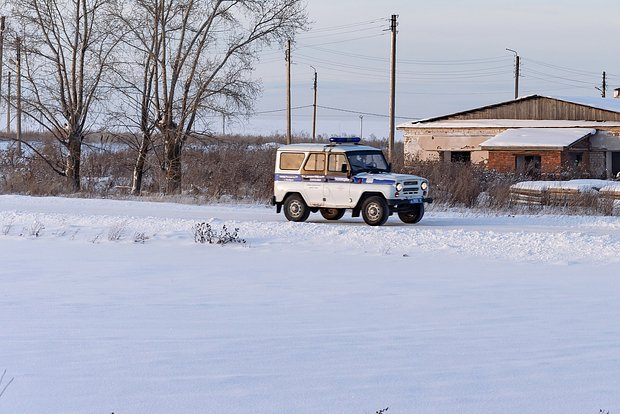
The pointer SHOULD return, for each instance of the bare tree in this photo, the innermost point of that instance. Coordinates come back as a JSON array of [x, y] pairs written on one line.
[[67, 48], [196, 58]]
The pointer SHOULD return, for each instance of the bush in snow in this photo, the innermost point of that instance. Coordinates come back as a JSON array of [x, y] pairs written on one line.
[[204, 233], [117, 232], [7, 228], [35, 230], [140, 237]]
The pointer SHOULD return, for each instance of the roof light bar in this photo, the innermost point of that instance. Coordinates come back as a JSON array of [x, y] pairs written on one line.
[[342, 140]]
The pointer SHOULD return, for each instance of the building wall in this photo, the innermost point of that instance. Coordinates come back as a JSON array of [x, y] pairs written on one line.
[[428, 143], [505, 161], [607, 139], [433, 143], [598, 164]]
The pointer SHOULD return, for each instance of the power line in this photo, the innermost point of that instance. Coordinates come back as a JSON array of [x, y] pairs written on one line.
[[279, 110], [562, 68], [341, 26], [349, 40], [331, 108], [365, 29], [558, 77]]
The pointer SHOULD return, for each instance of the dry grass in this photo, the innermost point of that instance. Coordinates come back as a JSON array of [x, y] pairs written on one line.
[[241, 168]]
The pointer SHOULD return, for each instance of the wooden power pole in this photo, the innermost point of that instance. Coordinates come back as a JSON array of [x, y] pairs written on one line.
[[8, 103], [314, 107], [18, 97], [393, 25], [288, 92], [2, 27], [517, 69], [603, 88]]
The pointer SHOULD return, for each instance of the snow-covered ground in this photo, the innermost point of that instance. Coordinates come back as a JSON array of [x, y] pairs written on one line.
[[461, 313]]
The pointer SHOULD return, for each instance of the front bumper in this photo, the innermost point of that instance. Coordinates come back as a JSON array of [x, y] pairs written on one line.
[[397, 205]]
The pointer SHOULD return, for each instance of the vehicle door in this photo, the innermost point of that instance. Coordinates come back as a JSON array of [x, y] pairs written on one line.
[[313, 179], [338, 184]]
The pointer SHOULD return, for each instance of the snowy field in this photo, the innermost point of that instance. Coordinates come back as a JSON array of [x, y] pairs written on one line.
[[460, 314]]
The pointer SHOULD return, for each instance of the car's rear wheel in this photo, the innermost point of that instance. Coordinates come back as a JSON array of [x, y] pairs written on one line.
[[332, 213], [375, 211], [295, 208], [412, 216]]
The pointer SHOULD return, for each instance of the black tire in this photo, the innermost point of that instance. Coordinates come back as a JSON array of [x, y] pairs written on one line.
[[413, 216], [295, 208], [332, 213], [375, 211]]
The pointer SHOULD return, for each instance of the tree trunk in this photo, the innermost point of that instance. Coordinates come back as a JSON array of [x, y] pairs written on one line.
[[138, 170], [172, 148], [72, 170]]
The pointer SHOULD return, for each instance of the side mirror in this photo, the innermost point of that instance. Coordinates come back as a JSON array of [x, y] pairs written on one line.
[[344, 168], [390, 167]]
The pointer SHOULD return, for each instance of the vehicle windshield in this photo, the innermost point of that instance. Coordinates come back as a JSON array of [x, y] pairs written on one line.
[[367, 161]]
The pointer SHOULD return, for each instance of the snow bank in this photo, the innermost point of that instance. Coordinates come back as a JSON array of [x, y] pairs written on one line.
[[461, 313], [578, 185]]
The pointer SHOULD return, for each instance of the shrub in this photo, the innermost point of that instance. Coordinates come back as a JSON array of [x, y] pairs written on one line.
[[204, 233]]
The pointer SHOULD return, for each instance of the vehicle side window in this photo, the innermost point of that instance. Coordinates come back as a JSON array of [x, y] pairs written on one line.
[[335, 162], [315, 164], [291, 160]]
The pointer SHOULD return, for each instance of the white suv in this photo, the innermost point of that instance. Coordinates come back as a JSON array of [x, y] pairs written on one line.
[[341, 175]]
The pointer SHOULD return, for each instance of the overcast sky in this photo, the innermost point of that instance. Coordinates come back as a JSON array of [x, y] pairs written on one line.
[[451, 55]]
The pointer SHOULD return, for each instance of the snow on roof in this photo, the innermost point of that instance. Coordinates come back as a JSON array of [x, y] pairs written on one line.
[[511, 123], [537, 138], [606, 104]]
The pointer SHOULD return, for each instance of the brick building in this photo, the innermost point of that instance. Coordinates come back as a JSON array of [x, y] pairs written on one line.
[[532, 133]]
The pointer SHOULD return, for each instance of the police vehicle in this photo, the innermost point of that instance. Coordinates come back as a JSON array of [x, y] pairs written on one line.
[[331, 178]]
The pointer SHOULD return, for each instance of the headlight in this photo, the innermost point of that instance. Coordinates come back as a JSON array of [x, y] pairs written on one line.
[[399, 187], [424, 186]]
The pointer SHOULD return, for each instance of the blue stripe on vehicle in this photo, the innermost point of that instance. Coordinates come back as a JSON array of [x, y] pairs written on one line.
[[287, 177], [375, 181], [338, 178]]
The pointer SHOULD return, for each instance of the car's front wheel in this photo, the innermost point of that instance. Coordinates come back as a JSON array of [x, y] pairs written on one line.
[[412, 216], [375, 211], [295, 208], [332, 213]]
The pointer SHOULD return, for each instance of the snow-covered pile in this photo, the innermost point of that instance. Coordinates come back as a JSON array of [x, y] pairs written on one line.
[[110, 306], [581, 185], [564, 192]]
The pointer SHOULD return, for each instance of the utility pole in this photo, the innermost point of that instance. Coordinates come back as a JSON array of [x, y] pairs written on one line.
[[517, 69], [314, 106], [18, 135], [361, 126], [2, 27], [288, 92], [8, 104], [393, 25], [603, 88]]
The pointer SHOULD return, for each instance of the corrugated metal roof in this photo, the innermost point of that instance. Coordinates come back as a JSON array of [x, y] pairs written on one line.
[[538, 138]]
